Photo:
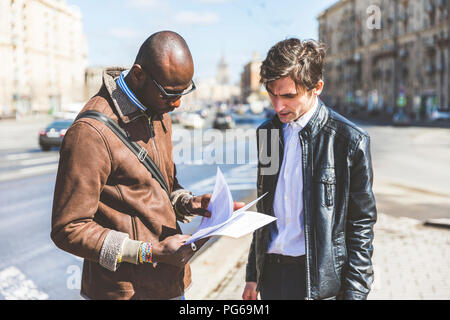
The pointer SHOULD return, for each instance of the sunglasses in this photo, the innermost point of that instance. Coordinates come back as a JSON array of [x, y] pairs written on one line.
[[171, 95]]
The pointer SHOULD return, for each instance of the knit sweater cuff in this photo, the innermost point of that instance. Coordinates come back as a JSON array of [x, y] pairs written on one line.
[[111, 249], [179, 198]]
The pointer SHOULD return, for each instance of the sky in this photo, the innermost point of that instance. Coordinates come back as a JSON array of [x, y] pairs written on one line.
[[234, 29]]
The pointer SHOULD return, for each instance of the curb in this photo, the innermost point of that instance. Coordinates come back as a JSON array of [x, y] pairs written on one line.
[[440, 223]]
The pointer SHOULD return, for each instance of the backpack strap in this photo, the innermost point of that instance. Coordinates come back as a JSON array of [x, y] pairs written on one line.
[[141, 153]]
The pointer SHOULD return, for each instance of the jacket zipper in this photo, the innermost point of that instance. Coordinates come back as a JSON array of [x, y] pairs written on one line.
[[153, 139], [273, 213], [308, 271]]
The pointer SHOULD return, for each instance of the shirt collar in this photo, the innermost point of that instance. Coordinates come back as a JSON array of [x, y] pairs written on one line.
[[122, 84], [301, 122]]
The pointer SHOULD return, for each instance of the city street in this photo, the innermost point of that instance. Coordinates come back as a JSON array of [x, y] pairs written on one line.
[[412, 181], [411, 174], [411, 260], [223, 68], [27, 177]]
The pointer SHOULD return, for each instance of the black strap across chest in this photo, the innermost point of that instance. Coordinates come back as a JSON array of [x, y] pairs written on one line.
[[140, 152]]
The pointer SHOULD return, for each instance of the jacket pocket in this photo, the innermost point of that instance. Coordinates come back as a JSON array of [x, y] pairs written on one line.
[[326, 178]]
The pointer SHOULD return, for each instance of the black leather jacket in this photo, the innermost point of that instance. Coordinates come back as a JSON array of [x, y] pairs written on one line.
[[339, 206]]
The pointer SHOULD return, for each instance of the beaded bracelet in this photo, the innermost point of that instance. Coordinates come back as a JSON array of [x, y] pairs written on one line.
[[146, 253]]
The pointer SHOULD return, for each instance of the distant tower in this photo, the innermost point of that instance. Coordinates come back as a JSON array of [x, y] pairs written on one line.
[[222, 72]]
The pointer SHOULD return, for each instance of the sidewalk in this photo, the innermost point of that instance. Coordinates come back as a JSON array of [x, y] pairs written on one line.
[[386, 120], [411, 261]]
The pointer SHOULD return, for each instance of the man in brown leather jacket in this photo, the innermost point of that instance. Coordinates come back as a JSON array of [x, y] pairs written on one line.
[[107, 207]]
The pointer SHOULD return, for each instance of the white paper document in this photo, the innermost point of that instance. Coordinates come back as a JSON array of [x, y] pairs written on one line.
[[223, 220]]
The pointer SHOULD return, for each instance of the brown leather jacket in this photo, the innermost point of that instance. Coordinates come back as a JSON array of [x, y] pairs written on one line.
[[102, 186]]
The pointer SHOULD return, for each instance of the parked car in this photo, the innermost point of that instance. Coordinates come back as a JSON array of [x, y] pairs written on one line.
[[203, 113], [223, 120], [176, 117], [440, 114], [270, 113], [192, 121], [53, 135]]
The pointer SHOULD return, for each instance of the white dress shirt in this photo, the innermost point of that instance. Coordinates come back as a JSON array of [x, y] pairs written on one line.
[[288, 201]]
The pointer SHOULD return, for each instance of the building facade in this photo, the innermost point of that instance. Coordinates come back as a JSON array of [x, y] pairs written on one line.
[[387, 55], [212, 91], [44, 56], [93, 81], [251, 89]]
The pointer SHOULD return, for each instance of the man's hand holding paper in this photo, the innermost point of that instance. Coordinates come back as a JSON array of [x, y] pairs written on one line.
[[228, 218], [199, 205]]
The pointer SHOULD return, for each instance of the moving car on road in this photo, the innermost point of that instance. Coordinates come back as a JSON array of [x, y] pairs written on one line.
[[53, 135], [223, 120], [192, 121], [176, 117], [440, 114], [401, 119], [202, 113]]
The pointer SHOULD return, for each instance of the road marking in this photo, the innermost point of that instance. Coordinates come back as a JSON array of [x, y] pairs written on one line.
[[39, 169], [20, 156], [17, 174], [238, 179], [15, 286], [20, 219], [31, 162]]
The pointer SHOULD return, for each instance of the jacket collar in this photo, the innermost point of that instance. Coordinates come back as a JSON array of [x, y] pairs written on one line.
[[125, 108], [124, 87], [317, 122]]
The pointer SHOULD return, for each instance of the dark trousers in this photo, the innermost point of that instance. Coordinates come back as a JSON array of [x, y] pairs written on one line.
[[283, 280]]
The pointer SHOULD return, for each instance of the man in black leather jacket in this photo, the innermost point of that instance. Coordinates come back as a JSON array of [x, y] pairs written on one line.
[[316, 167]]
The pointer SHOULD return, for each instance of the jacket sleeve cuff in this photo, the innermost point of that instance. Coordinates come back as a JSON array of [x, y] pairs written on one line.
[[111, 248], [250, 274], [179, 198]]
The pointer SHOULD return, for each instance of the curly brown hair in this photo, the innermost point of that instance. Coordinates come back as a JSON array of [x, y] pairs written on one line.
[[301, 60]]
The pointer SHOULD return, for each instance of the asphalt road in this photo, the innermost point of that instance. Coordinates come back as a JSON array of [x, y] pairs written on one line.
[[412, 163], [411, 171]]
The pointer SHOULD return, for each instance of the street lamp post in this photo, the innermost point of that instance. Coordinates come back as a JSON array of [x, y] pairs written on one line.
[[448, 55], [395, 69]]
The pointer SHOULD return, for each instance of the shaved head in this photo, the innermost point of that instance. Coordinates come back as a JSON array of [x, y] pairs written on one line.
[[163, 66], [168, 56]]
